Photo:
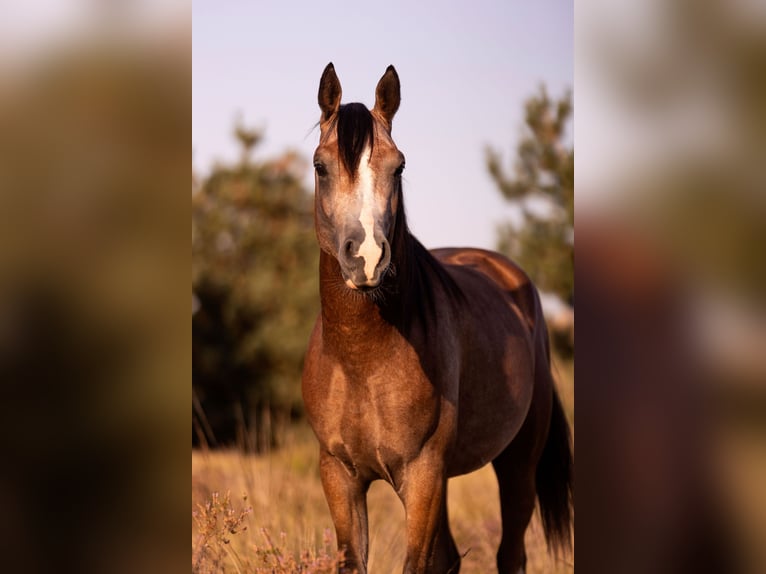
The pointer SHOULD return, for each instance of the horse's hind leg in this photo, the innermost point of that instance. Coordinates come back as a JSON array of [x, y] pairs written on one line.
[[517, 502], [515, 469]]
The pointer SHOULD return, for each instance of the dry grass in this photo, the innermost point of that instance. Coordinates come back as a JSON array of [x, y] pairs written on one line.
[[279, 497], [261, 513], [243, 504], [275, 518]]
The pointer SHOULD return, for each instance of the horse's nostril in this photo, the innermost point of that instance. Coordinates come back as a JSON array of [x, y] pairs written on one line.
[[385, 253], [348, 249]]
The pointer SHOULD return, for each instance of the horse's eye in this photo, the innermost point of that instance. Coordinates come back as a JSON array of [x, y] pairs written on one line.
[[320, 168], [399, 170]]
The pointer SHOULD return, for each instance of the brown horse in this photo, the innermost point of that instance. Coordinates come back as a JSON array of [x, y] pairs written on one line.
[[422, 365]]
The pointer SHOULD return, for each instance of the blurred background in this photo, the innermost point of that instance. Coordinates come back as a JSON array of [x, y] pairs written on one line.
[[670, 208], [94, 265]]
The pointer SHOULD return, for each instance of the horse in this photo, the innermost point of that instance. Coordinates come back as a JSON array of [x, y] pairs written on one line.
[[422, 365]]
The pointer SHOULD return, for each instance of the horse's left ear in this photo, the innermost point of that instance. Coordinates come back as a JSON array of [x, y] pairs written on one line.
[[388, 95]]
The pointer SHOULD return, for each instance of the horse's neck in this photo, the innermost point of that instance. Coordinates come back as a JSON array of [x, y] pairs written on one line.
[[403, 300], [348, 315]]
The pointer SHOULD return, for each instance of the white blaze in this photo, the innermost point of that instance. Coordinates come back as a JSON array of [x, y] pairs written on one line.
[[369, 249]]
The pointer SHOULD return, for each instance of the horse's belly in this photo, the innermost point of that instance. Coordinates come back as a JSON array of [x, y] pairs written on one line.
[[491, 409]]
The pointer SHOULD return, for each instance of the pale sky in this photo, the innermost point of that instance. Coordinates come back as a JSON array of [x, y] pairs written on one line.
[[465, 68]]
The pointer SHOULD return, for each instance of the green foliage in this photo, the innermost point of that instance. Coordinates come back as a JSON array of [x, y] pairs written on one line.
[[542, 186], [254, 276]]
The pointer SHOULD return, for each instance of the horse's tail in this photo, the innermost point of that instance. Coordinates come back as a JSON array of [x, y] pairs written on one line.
[[555, 481]]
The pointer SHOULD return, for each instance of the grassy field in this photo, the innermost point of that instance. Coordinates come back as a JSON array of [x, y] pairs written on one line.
[[289, 516], [267, 513]]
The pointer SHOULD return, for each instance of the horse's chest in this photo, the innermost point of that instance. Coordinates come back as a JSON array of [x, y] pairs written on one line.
[[380, 420]]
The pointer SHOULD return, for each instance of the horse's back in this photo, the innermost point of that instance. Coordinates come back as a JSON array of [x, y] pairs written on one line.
[[501, 271]]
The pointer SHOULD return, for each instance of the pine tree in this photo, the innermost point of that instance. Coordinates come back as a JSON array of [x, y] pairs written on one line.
[[254, 278], [542, 186]]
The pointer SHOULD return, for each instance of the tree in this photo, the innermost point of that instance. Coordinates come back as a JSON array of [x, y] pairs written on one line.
[[542, 186], [254, 279]]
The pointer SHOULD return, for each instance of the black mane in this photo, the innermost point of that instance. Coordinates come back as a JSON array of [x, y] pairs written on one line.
[[417, 273], [355, 132]]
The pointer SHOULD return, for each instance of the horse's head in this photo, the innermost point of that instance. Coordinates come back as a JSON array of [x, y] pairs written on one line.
[[358, 179]]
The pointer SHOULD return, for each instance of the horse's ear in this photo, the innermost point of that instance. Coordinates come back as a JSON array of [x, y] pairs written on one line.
[[329, 93], [388, 95]]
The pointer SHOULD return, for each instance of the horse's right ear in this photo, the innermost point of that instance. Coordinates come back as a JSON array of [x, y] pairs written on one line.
[[329, 93]]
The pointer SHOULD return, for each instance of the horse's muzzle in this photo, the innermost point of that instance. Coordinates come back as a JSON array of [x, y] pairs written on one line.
[[363, 265]]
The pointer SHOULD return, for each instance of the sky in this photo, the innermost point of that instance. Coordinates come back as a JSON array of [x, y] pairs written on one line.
[[466, 69]]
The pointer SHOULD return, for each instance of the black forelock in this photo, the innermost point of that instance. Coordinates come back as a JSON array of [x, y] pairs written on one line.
[[355, 131]]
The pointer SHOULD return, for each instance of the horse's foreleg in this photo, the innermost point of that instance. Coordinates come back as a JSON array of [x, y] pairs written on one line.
[[430, 547], [347, 498]]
